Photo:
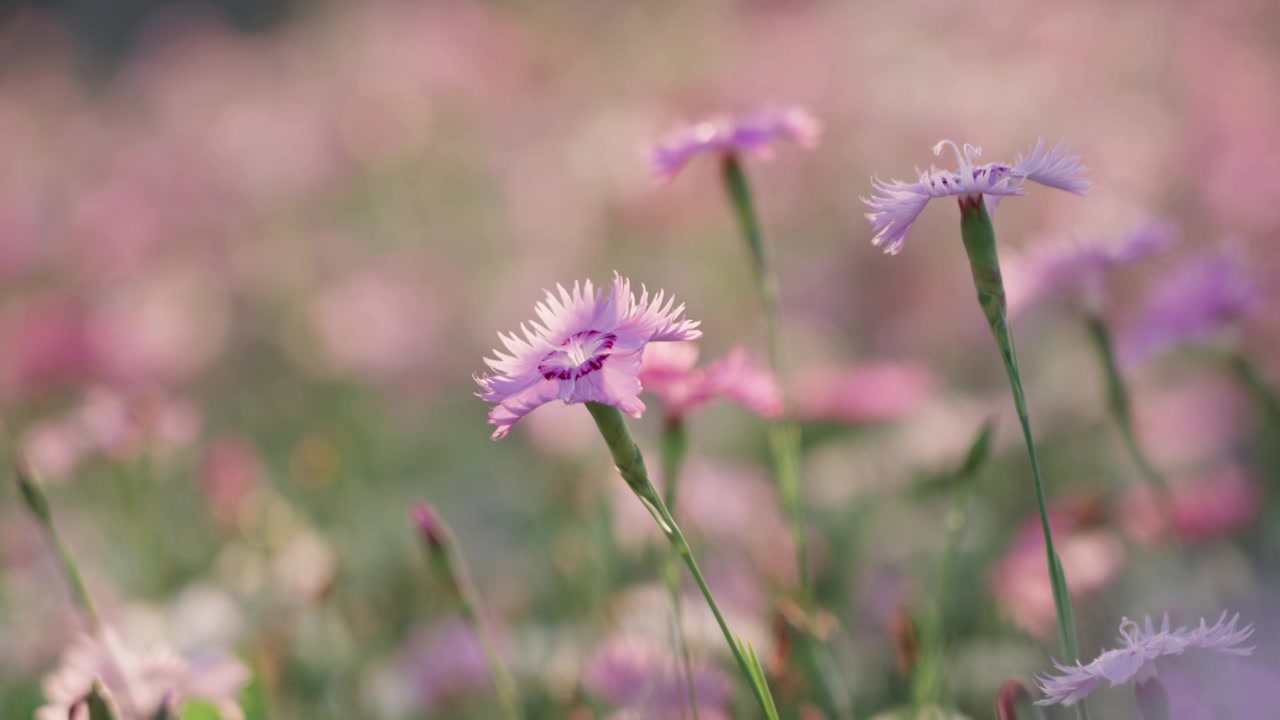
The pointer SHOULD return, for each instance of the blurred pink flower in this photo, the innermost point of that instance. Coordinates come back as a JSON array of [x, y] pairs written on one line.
[[1193, 304], [863, 393], [47, 345], [1136, 661], [272, 147], [752, 134], [122, 217], [166, 326], [896, 204], [587, 349], [111, 423], [140, 679], [1092, 557], [55, 448], [229, 471], [1183, 424], [668, 371], [377, 324], [443, 660], [1207, 506], [641, 675], [1233, 115]]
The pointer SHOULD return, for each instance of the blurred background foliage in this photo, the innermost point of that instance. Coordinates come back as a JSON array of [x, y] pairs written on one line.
[[252, 252]]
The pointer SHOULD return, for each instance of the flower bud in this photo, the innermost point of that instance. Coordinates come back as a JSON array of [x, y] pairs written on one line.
[[430, 527], [1012, 694], [1153, 700]]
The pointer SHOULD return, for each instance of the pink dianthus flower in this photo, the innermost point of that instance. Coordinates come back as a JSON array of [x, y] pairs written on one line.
[[669, 372], [752, 134], [587, 348], [139, 680]]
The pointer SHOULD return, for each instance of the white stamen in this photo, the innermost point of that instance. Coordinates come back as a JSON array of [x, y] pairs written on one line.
[[962, 159], [1129, 631]]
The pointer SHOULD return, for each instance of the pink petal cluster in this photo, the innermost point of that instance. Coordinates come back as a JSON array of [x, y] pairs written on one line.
[[669, 372], [110, 423], [752, 134], [1208, 506], [865, 393], [140, 680], [896, 204], [1137, 659], [586, 346]]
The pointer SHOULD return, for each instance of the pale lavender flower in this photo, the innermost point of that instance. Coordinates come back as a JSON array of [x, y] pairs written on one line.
[[1197, 301], [140, 680], [587, 348], [752, 134], [896, 204], [642, 675], [1081, 268], [441, 661], [1136, 661]]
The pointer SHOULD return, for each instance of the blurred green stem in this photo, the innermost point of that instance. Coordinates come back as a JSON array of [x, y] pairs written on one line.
[[1248, 375], [630, 464], [447, 562], [100, 704], [36, 501], [675, 445], [927, 679], [1118, 404], [784, 437], [980, 245]]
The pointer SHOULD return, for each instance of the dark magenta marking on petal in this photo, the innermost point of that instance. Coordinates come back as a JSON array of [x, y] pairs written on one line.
[[554, 367]]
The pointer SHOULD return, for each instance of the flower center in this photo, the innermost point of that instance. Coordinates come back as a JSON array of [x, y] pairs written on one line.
[[578, 355]]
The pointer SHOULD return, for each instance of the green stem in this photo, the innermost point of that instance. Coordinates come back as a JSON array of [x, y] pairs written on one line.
[[735, 179], [1121, 410], [1248, 374], [447, 561], [927, 680], [630, 464], [784, 438], [675, 445], [984, 262], [99, 703], [36, 501]]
